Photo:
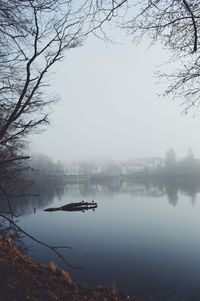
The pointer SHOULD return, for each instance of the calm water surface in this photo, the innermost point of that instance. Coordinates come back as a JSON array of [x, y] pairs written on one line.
[[143, 237]]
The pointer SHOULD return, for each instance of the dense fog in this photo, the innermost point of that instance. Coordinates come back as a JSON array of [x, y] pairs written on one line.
[[109, 106]]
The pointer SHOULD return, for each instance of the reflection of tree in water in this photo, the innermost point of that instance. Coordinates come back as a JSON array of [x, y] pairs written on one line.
[[188, 186], [155, 187], [15, 235], [172, 187], [109, 185], [171, 190], [91, 188], [35, 196]]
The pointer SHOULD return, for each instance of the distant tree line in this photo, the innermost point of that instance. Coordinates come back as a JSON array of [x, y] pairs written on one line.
[[186, 166], [42, 166], [35, 35], [169, 165]]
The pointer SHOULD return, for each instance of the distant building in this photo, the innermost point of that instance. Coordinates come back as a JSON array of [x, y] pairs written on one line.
[[150, 164]]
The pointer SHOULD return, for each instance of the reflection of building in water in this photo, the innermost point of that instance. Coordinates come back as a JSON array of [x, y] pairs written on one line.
[[154, 191], [142, 189], [99, 187], [158, 187], [135, 189], [75, 188], [173, 188]]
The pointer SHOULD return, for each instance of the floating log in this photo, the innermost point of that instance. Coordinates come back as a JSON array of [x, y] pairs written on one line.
[[78, 206]]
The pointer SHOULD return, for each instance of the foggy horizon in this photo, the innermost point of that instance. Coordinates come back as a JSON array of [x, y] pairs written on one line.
[[99, 150], [109, 106], [117, 160]]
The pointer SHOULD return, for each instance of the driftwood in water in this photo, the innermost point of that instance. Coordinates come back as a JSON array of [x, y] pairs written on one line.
[[79, 206]]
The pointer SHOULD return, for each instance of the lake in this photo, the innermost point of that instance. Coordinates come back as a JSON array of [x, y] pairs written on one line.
[[144, 237]]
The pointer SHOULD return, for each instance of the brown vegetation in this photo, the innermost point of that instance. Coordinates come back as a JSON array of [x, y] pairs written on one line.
[[23, 279]]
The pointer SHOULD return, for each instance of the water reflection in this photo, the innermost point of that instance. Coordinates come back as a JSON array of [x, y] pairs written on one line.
[[135, 239], [172, 187], [25, 202]]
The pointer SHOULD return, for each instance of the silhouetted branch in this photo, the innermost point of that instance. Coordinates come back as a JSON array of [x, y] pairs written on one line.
[[13, 222], [194, 24], [52, 248]]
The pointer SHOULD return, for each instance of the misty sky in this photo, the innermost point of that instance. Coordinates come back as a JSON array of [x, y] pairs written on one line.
[[109, 106]]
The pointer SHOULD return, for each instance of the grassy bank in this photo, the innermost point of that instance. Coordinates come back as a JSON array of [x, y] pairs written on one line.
[[22, 279]]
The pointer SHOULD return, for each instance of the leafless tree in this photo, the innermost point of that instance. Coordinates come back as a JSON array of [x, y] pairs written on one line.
[[34, 35], [175, 24]]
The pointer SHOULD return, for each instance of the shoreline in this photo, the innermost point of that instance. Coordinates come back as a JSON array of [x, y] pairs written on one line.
[[22, 278]]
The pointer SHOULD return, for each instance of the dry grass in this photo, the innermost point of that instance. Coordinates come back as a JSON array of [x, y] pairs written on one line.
[[22, 279]]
